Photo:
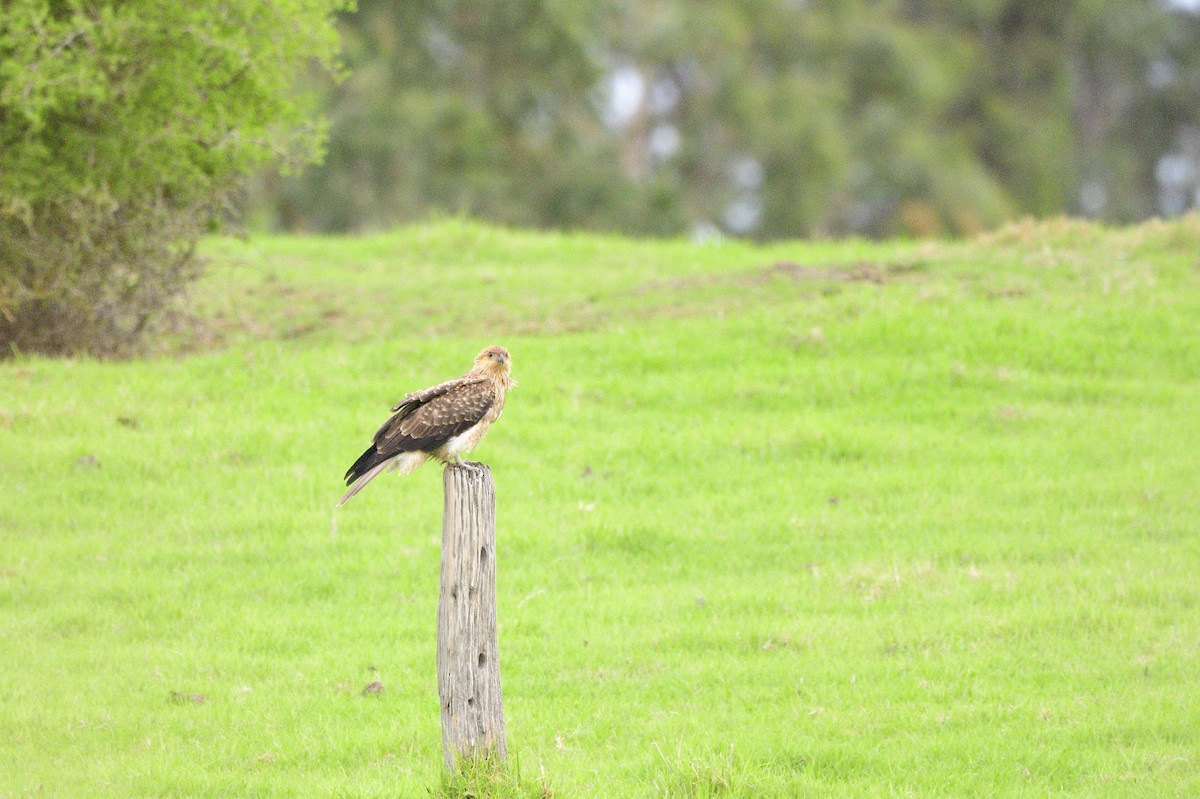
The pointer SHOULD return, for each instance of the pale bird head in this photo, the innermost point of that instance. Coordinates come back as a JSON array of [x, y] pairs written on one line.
[[495, 360]]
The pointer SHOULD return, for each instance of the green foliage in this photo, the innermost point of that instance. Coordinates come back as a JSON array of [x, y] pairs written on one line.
[[175, 95], [485, 110], [123, 125], [920, 117], [814, 519]]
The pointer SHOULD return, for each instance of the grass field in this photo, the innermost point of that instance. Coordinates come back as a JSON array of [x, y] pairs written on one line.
[[814, 519]]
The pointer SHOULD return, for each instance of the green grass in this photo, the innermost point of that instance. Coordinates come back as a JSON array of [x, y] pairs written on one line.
[[814, 519]]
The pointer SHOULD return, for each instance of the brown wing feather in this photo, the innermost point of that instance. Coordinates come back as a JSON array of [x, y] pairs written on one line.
[[426, 394], [417, 399], [437, 417]]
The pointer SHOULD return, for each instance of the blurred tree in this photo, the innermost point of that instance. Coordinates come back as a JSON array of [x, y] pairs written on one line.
[[767, 118], [483, 108], [122, 126]]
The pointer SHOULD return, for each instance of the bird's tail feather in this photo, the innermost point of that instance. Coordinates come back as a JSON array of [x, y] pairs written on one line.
[[362, 481], [404, 463], [366, 461]]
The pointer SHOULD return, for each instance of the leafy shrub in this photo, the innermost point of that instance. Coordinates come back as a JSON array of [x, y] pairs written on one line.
[[123, 126]]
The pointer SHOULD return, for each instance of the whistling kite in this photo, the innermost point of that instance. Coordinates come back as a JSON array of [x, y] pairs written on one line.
[[445, 421]]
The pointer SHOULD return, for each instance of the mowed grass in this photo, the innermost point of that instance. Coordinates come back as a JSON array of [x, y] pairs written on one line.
[[814, 519]]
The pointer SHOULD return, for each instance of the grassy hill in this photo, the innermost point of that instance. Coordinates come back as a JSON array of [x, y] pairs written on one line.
[[814, 519]]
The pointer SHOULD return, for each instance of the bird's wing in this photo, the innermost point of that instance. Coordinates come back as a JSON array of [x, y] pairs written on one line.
[[427, 419], [416, 398]]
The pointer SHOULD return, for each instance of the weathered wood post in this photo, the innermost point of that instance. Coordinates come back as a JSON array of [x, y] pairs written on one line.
[[468, 654]]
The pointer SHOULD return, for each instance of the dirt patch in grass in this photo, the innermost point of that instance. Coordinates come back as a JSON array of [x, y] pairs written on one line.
[[874, 272]]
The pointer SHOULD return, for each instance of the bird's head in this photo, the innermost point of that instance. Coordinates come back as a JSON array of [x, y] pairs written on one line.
[[494, 361]]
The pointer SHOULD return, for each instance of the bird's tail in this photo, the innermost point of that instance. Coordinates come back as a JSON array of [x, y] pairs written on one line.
[[361, 480], [367, 468], [367, 461]]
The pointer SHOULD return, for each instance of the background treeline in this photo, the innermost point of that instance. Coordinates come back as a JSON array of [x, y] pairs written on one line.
[[126, 126], [767, 118]]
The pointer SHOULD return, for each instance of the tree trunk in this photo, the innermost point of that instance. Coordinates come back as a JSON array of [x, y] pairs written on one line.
[[468, 654]]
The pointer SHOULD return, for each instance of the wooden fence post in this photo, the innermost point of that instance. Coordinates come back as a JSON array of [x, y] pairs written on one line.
[[468, 654]]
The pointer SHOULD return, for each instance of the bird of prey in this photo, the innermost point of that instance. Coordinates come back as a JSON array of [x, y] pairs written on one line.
[[445, 421]]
